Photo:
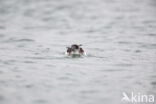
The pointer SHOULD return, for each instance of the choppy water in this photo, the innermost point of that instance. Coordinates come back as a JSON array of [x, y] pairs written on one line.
[[119, 37]]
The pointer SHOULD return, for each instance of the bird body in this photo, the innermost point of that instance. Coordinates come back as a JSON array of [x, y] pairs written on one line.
[[75, 50]]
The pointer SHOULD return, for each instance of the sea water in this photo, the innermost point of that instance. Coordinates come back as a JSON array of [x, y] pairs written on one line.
[[119, 37]]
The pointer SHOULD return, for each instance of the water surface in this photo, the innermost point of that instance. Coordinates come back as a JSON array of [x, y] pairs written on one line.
[[119, 37]]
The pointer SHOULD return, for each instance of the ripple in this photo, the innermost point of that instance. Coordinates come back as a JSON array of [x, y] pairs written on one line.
[[29, 62], [17, 76], [151, 34], [38, 58], [64, 78], [29, 86], [1, 36], [148, 45], [96, 56], [1, 97], [19, 40], [37, 27], [124, 42], [25, 40], [112, 70], [29, 13], [137, 51], [40, 101], [153, 76], [46, 58], [124, 65], [1, 72], [153, 83], [2, 27], [9, 62], [89, 91]]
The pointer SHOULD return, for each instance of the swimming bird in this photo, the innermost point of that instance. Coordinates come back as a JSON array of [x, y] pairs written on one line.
[[75, 50]]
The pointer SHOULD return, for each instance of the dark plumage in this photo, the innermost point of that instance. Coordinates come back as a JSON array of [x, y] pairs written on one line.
[[81, 50], [75, 49], [69, 50]]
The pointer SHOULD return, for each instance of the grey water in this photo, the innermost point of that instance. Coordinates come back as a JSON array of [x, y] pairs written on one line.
[[119, 37]]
